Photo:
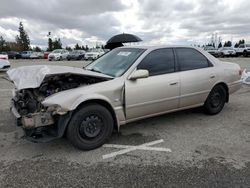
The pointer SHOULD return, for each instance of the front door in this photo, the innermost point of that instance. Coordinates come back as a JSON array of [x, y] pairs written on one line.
[[159, 92]]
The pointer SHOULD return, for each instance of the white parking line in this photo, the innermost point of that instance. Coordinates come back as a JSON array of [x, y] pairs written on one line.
[[128, 148]]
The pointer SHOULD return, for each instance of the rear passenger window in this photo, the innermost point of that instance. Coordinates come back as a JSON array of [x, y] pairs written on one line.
[[190, 59], [158, 62]]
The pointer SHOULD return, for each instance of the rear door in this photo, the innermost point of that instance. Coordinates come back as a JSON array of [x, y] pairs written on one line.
[[197, 76], [157, 93]]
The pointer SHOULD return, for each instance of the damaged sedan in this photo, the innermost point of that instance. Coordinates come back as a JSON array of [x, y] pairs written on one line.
[[124, 85]]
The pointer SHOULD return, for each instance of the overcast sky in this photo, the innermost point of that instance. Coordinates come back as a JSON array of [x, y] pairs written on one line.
[[155, 21]]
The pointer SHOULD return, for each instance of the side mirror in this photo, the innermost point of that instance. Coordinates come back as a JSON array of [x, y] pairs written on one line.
[[139, 74]]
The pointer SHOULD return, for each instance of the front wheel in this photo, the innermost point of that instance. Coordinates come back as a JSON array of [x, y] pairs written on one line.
[[90, 127], [215, 100]]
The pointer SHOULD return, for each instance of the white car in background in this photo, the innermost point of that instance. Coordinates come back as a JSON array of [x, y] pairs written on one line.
[[243, 49], [36, 55], [3, 55], [227, 51], [94, 54], [58, 54], [4, 65]]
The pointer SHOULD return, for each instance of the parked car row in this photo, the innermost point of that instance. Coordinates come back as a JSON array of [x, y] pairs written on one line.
[[243, 49], [61, 54], [21, 55], [58, 54]]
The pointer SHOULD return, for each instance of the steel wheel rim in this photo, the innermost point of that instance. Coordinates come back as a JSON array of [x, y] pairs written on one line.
[[216, 99], [91, 126]]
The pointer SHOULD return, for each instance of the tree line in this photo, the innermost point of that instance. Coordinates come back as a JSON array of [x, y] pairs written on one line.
[[22, 43], [228, 44]]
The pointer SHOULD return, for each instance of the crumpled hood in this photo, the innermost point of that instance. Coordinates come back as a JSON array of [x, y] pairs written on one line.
[[32, 76]]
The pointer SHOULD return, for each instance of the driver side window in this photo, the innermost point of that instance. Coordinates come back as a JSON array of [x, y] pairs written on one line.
[[158, 62]]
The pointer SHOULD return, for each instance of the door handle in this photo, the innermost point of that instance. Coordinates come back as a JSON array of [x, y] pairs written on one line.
[[173, 83], [212, 76]]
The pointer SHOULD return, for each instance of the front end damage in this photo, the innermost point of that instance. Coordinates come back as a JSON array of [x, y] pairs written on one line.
[[44, 123]]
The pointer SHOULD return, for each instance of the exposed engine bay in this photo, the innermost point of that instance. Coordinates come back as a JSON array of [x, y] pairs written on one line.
[[33, 85], [29, 100]]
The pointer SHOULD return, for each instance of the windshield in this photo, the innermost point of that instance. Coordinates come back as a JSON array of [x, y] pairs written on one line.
[[95, 50], [57, 51], [116, 62], [209, 48], [75, 52], [227, 48]]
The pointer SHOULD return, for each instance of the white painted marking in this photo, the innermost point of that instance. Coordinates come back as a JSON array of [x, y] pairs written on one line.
[[128, 148]]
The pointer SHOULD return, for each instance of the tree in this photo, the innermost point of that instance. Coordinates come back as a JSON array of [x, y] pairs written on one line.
[[220, 45], [68, 48], [77, 47], [238, 43], [50, 45], [37, 49], [22, 39], [57, 44], [2, 44], [12, 46], [227, 44]]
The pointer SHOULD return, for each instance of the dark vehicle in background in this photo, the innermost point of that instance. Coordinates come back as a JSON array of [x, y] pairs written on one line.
[[76, 55], [26, 54], [14, 55], [212, 51]]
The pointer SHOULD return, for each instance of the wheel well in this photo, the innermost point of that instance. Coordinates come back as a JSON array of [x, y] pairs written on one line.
[[106, 105], [226, 88]]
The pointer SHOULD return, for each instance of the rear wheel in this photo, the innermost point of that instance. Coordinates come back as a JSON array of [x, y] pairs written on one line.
[[90, 127], [245, 54], [215, 100]]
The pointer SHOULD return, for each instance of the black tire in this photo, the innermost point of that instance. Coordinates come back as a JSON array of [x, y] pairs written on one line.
[[245, 54], [90, 127], [215, 100]]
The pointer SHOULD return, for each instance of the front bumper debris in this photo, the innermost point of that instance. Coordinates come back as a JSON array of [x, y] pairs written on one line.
[[42, 126], [34, 120], [37, 120]]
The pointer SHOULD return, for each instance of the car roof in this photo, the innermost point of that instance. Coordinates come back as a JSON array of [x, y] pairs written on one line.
[[158, 46]]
